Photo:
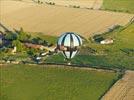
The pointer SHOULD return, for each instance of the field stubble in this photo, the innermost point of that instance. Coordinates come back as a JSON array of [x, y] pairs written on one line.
[[54, 20], [123, 89]]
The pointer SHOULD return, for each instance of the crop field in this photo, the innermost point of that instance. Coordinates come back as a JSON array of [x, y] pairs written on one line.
[[31, 82], [43, 21], [119, 5], [123, 89], [54, 20], [94, 4]]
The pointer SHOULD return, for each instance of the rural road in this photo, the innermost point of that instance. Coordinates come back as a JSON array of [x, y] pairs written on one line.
[[122, 89]]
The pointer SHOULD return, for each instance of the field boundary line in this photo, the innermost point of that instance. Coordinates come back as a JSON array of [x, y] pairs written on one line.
[[75, 66]]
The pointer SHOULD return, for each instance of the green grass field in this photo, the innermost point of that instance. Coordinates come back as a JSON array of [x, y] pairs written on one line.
[[119, 5], [50, 39], [120, 54], [25, 82]]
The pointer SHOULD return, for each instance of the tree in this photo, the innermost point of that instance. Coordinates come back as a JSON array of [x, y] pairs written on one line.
[[31, 52], [18, 45], [40, 41], [37, 40], [23, 36], [10, 36]]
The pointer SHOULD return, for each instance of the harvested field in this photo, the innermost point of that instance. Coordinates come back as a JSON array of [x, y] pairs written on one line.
[[53, 20], [123, 89], [94, 4], [7, 6]]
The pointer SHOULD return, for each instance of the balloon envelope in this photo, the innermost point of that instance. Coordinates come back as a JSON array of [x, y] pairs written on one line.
[[69, 43]]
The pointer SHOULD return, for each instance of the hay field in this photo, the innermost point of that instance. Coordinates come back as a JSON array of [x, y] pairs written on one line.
[[53, 20], [123, 89], [95, 4]]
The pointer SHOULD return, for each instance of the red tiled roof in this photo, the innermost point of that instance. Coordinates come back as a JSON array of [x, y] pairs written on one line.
[[30, 45]]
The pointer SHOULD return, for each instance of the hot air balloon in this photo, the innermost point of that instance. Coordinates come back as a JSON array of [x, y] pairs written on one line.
[[69, 43]]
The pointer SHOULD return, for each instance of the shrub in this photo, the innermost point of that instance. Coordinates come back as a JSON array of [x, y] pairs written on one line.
[[38, 1], [76, 6], [98, 38], [23, 36], [31, 52], [50, 3], [18, 45], [128, 51]]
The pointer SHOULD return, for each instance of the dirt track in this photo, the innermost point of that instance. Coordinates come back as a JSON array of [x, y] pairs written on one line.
[[123, 89], [53, 20]]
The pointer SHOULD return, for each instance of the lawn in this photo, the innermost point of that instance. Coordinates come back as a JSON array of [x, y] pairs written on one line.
[[25, 82], [120, 54], [119, 5]]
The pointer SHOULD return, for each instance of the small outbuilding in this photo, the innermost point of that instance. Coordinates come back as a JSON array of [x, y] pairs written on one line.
[[107, 41]]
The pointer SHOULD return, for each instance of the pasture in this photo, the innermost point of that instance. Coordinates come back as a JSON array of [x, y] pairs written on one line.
[[120, 54], [54, 20], [32, 82], [119, 5]]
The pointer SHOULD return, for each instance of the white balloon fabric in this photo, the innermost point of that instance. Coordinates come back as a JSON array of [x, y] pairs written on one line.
[[69, 43]]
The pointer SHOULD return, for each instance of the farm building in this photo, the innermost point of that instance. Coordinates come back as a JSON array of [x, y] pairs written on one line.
[[35, 46], [107, 41], [41, 47]]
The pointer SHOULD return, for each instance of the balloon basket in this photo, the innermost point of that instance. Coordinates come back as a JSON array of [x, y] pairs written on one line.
[[69, 63]]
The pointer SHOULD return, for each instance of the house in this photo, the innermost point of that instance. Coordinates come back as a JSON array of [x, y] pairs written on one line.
[[41, 47], [107, 41], [35, 46]]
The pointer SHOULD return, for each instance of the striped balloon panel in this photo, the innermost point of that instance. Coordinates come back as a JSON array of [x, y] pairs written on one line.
[[70, 40], [69, 54]]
